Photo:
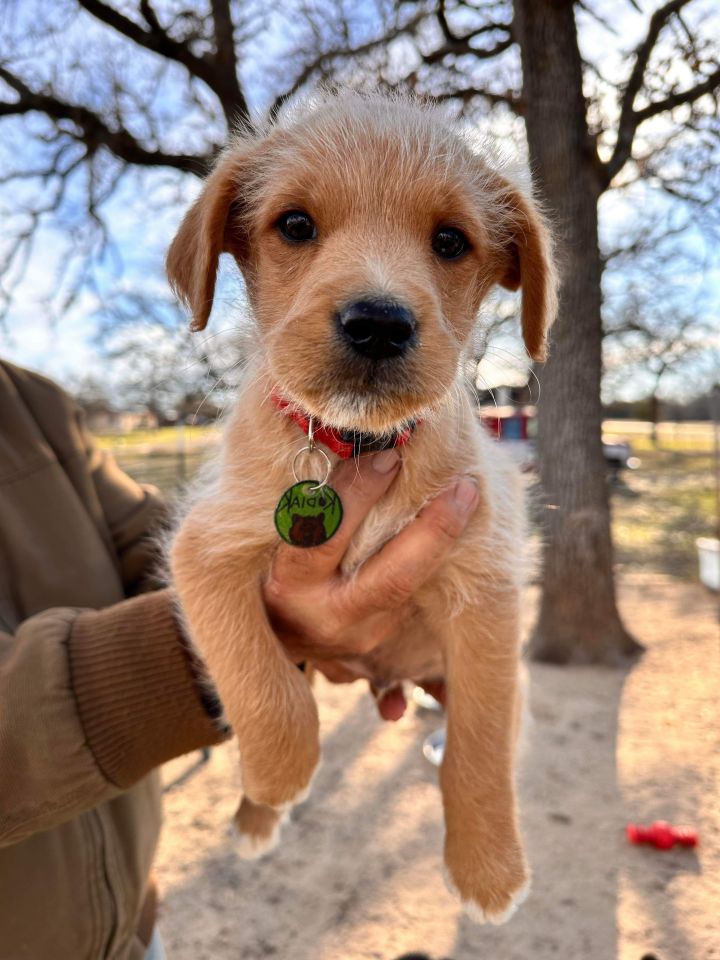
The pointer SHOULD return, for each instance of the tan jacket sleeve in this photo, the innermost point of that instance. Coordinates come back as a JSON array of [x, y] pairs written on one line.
[[91, 702]]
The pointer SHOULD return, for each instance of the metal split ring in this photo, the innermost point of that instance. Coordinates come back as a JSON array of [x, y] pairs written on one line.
[[313, 448]]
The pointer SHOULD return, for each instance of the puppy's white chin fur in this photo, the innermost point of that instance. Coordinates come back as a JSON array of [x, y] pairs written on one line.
[[363, 414]]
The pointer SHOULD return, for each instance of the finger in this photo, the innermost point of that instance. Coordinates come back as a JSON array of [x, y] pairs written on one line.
[[391, 703], [359, 484], [347, 639], [336, 672], [391, 577]]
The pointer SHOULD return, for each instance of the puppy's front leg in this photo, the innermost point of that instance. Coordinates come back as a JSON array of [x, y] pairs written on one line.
[[267, 700], [483, 849]]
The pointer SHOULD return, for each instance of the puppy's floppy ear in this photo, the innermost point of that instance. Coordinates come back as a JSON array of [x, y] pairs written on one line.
[[528, 263], [205, 233]]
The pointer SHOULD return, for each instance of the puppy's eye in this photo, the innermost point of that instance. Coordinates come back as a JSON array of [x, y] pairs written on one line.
[[297, 226], [450, 243]]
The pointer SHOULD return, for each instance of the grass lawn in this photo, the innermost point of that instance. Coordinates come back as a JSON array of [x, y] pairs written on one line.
[[167, 457], [658, 509], [163, 437], [661, 508]]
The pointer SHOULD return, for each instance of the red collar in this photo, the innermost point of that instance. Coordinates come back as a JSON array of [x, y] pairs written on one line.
[[345, 443]]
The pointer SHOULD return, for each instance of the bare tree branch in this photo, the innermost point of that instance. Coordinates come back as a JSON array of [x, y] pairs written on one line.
[[93, 131], [218, 71], [630, 119], [322, 63], [647, 238], [12, 109], [327, 61], [597, 17], [463, 44], [225, 75], [467, 94], [155, 39], [711, 85]]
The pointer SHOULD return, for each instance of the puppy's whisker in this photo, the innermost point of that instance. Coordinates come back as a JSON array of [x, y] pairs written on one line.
[[470, 383], [489, 390], [535, 400], [521, 364], [213, 388]]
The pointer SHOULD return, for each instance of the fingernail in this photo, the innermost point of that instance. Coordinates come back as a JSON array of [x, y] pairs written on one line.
[[466, 494], [385, 461]]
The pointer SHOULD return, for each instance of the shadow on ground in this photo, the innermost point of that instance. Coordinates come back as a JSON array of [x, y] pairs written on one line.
[[358, 874]]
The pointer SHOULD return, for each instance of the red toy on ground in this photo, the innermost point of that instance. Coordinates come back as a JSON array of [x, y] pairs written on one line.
[[661, 835]]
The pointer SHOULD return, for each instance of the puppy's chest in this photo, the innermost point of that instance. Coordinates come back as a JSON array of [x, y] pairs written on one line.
[[382, 523], [414, 487], [407, 496]]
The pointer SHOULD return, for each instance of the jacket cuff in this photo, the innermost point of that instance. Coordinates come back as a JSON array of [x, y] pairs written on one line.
[[139, 696]]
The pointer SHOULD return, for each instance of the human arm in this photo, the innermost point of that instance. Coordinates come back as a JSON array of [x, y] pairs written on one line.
[[90, 699], [91, 702]]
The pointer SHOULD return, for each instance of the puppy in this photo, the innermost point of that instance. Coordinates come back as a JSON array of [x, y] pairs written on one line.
[[368, 232]]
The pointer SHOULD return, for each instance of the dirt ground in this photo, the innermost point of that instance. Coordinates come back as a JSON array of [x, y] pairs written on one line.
[[358, 873]]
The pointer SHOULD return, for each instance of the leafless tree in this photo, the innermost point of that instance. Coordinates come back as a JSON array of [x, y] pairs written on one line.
[[107, 94], [633, 120], [111, 111], [661, 332], [106, 100], [155, 363]]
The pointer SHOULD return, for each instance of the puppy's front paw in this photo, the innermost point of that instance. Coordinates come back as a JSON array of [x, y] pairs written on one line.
[[258, 828], [253, 846], [491, 881]]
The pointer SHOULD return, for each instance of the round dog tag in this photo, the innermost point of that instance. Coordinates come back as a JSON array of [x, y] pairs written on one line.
[[308, 514]]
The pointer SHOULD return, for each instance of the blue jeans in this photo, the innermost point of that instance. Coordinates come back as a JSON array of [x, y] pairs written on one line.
[[156, 950]]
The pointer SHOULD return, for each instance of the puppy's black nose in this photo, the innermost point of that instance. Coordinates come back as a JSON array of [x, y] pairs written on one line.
[[377, 329]]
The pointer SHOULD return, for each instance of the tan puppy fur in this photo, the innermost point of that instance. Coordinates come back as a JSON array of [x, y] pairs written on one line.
[[378, 176]]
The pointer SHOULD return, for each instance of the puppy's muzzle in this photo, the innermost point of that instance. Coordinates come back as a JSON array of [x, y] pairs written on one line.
[[378, 329]]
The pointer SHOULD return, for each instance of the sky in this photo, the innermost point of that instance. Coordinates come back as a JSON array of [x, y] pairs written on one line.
[[69, 347]]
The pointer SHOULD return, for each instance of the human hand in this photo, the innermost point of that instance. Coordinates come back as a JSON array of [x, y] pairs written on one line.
[[322, 616]]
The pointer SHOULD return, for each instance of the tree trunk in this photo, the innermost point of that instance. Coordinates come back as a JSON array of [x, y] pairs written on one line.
[[579, 621]]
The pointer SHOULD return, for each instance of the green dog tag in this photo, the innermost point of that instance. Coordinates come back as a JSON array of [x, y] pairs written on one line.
[[308, 518]]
